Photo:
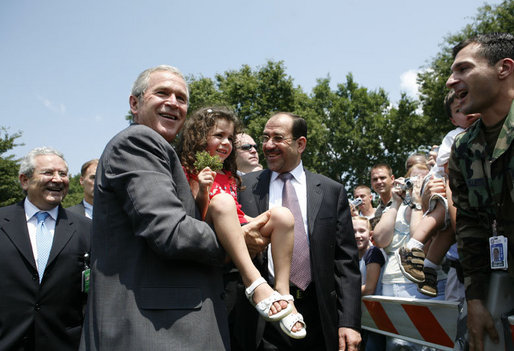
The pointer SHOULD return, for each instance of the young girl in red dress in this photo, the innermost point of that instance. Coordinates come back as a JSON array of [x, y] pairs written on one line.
[[214, 130]]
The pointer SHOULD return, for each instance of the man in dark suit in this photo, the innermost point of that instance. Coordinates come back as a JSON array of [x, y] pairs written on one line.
[[330, 304], [87, 182], [156, 267], [42, 259]]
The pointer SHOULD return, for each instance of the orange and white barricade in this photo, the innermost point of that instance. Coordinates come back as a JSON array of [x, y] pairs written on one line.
[[435, 323], [425, 322]]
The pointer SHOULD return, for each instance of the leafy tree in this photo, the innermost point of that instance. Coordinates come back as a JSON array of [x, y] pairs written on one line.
[[360, 129], [497, 18], [253, 94], [10, 190], [75, 192]]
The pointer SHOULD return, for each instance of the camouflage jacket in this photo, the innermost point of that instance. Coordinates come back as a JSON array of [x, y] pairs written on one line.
[[483, 191]]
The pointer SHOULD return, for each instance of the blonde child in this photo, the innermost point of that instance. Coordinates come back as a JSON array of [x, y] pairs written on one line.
[[214, 130], [371, 258], [371, 261]]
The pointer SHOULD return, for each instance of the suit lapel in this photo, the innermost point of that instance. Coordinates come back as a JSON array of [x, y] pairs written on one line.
[[15, 227], [261, 190], [64, 231], [314, 198]]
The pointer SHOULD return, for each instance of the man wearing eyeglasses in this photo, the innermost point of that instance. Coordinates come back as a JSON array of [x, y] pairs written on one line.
[[329, 299], [43, 251], [247, 157]]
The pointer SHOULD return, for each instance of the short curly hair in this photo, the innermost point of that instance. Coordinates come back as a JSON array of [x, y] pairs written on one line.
[[194, 137]]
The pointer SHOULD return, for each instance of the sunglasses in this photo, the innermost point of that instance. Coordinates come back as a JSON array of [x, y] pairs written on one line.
[[248, 147]]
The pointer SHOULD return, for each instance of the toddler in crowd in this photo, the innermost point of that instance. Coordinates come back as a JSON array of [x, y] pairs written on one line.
[[435, 223]]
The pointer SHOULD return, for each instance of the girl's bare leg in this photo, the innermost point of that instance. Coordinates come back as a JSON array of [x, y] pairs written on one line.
[[222, 213], [280, 228]]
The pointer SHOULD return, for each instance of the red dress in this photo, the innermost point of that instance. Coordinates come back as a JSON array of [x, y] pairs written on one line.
[[224, 183]]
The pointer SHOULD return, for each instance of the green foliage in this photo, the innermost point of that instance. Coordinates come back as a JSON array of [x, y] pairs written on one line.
[[75, 192], [350, 128], [498, 18], [10, 190], [204, 159], [360, 128]]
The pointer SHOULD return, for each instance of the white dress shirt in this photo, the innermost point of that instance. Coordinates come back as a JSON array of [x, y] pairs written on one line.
[[88, 209], [30, 212], [276, 185]]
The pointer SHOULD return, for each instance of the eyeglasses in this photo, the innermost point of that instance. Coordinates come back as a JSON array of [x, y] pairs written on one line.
[[276, 139], [248, 147]]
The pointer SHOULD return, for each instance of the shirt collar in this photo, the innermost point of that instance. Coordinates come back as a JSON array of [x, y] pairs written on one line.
[[31, 210], [87, 205], [298, 174]]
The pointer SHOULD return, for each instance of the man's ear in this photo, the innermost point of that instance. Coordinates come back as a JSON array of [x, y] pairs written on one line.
[[24, 181], [505, 68], [134, 105], [302, 143]]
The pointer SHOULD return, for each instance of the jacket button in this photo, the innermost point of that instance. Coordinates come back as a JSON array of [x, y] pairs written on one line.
[[37, 307]]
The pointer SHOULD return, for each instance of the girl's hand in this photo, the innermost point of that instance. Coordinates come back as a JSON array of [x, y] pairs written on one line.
[[205, 179]]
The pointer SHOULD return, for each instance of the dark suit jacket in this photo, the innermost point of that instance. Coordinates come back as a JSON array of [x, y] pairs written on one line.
[[50, 314], [78, 209], [156, 268], [334, 255]]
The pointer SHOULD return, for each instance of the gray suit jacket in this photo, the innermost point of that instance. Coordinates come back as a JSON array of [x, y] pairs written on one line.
[[334, 255], [78, 209], [156, 268]]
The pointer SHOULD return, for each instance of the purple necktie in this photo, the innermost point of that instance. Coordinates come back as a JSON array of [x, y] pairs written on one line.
[[301, 263]]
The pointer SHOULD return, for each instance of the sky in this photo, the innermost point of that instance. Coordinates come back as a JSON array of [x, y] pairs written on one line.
[[68, 66]]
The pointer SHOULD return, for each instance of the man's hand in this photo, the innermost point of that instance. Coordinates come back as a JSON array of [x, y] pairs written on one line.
[[479, 319], [349, 339], [255, 242]]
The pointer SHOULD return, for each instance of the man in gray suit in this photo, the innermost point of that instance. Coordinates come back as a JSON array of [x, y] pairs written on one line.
[[156, 267], [87, 182]]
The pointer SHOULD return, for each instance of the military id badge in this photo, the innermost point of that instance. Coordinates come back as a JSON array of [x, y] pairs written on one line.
[[85, 280], [498, 252]]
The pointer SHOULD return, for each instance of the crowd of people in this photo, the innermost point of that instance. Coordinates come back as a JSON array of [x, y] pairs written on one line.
[[164, 253]]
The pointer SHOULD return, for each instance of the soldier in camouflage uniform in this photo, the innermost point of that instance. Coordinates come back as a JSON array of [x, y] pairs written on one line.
[[482, 167]]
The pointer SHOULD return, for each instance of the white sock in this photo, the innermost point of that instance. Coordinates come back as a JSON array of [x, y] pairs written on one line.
[[413, 243], [431, 264]]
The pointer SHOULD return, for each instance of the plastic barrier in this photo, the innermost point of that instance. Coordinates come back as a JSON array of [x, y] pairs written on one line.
[[430, 323], [435, 323]]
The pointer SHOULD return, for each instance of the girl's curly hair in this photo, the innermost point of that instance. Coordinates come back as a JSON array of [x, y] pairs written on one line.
[[194, 137]]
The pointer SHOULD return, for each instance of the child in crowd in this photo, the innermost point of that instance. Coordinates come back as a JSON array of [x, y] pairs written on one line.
[[371, 261], [435, 223], [371, 258], [214, 130]]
